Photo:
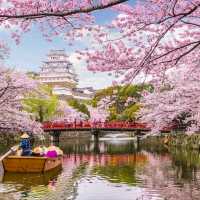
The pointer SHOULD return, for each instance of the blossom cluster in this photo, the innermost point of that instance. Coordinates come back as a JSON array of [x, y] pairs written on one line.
[[13, 86]]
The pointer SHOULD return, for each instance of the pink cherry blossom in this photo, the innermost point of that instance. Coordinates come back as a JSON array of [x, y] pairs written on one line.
[[13, 87], [52, 17], [97, 114], [178, 95], [67, 113], [154, 36]]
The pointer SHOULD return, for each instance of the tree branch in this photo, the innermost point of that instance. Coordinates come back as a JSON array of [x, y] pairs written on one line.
[[64, 13]]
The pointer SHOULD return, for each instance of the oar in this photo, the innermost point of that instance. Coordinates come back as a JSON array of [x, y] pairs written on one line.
[[12, 150]]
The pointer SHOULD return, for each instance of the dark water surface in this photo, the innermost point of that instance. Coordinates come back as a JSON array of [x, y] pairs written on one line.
[[111, 170]]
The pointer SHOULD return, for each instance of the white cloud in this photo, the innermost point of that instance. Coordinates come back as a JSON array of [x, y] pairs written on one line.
[[78, 64]]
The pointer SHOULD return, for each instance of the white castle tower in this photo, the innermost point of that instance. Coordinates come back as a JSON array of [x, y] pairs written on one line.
[[59, 73]]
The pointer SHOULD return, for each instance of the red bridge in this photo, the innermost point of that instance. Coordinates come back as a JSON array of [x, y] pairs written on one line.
[[56, 128], [104, 126]]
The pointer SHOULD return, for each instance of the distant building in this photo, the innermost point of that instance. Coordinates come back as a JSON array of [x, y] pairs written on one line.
[[59, 73], [83, 93]]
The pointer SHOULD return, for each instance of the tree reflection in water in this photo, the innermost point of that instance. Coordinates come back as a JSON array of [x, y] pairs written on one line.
[[121, 168], [172, 177]]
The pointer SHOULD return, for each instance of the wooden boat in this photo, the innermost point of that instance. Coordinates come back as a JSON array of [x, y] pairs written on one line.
[[29, 164]]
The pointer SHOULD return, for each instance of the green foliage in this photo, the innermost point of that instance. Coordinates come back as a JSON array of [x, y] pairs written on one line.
[[118, 95], [113, 113], [41, 104], [102, 94], [130, 113], [79, 106]]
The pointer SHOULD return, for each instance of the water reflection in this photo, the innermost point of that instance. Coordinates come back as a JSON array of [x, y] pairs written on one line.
[[110, 170], [120, 169], [27, 181], [87, 146], [28, 185]]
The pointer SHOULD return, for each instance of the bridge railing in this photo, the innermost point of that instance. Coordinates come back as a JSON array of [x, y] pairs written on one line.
[[87, 124]]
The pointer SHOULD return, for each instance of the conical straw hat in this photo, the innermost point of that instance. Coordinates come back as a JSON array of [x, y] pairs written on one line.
[[24, 136]]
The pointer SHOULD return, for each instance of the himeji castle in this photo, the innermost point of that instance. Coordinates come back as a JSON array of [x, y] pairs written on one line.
[[59, 73]]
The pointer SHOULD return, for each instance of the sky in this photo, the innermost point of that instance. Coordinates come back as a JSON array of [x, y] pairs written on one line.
[[33, 48]]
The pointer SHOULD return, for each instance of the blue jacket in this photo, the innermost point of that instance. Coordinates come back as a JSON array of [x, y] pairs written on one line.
[[26, 147]]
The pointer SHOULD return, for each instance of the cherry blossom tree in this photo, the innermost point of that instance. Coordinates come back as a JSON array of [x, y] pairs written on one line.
[[153, 36], [177, 99], [52, 17], [13, 86], [97, 114], [64, 112]]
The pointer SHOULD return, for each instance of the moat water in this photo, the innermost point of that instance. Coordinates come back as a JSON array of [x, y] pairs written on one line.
[[111, 170]]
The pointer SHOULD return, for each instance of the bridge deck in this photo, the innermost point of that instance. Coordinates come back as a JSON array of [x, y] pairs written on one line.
[[89, 129], [105, 126]]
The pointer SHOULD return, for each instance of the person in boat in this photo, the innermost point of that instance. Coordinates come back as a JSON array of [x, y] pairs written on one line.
[[25, 145]]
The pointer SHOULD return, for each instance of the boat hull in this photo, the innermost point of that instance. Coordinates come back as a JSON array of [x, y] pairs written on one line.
[[29, 164]]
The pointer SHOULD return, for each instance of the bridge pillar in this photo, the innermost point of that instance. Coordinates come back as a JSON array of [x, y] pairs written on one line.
[[138, 138], [55, 137], [95, 134], [138, 132]]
